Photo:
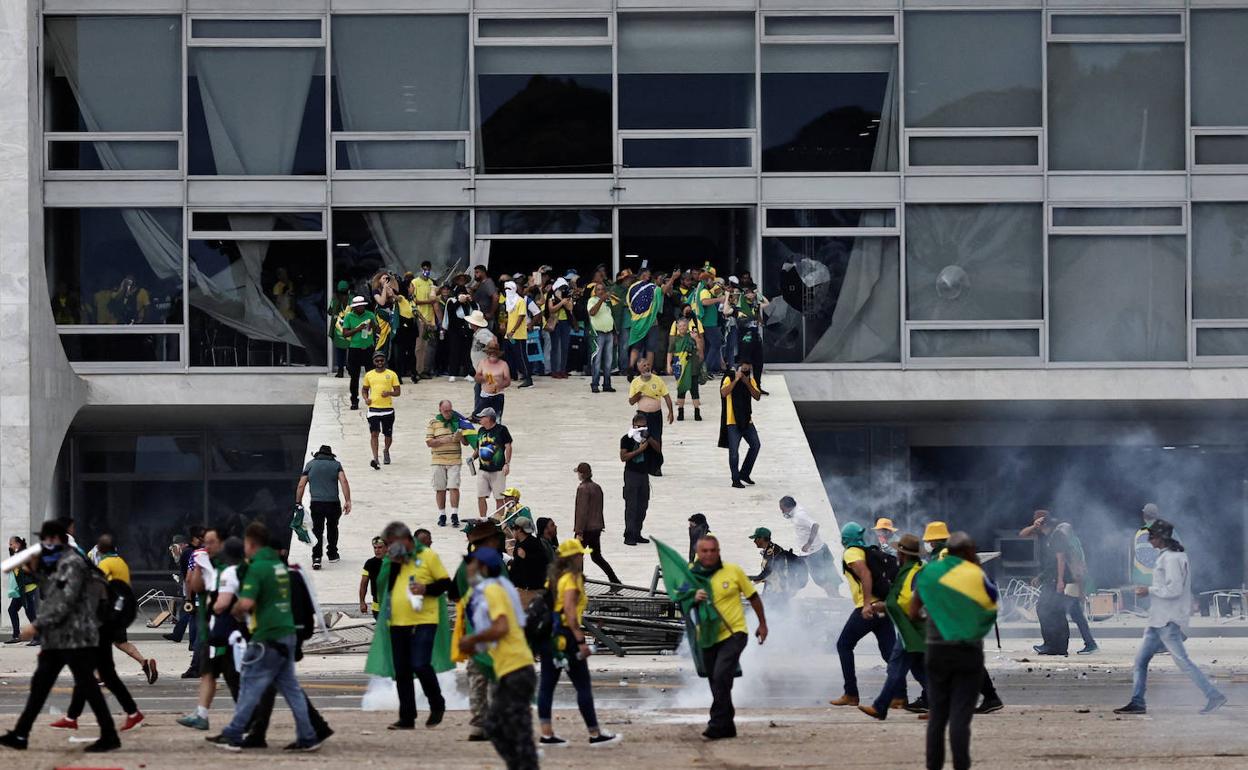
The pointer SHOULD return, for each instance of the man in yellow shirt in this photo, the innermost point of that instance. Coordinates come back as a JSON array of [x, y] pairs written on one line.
[[494, 610], [515, 309], [869, 616], [381, 386], [728, 584], [649, 393], [737, 393], [417, 578], [424, 294]]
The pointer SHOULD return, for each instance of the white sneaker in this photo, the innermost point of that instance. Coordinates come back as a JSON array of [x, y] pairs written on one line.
[[450, 379]]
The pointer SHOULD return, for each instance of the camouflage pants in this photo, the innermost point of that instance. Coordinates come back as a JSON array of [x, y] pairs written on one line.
[[510, 721], [478, 697]]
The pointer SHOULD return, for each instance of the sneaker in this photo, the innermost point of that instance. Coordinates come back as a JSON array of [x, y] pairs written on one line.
[[871, 712], [604, 739], [374, 464], [990, 705], [738, 485], [712, 735], [190, 673], [527, 383], [454, 519], [748, 480], [65, 723], [103, 745], [254, 743], [316, 564], [1133, 708], [385, 458], [223, 743], [1215, 703], [1088, 649], [435, 717], [450, 379], [325, 735], [149, 670], [132, 721], [14, 741], [608, 389], [845, 700], [917, 706], [442, 521], [642, 540], [303, 747], [171, 638], [334, 559], [477, 736], [550, 740], [593, 389], [355, 407], [194, 721], [14, 640]]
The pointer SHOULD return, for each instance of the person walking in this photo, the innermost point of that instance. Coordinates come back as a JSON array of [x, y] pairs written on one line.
[[23, 592], [484, 533], [602, 341], [368, 579], [493, 460], [444, 436], [961, 604], [492, 377], [516, 333], [809, 545], [699, 527], [649, 394], [1062, 571], [684, 361], [642, 456], [737, 392], [70, 632], [911, 644], [381, 387], [568, 648], [265, 597], [218, 660], [324, 477], [529, 562], [721, 660], [494, 610], [1169, 616], [865, 572], [587, 520], [424, 294], [359, 328]]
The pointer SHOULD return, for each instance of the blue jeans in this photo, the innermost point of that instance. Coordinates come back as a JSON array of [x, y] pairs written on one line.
[[560, 339], [1168, 637], [601, 358], [714, 340], [264, 664], [899, 664], [729, 354], [856, 627], [735, 434], [578, 672]]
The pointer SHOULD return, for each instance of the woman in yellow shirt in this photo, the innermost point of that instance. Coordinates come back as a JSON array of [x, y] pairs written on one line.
[[568, 648]]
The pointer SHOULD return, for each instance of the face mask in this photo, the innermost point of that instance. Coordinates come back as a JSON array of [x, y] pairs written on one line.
[[787, 514], [474, 579], [397, 550], [425, 273]]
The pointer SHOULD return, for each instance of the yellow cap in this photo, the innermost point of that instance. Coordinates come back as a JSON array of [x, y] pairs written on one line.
[[511, 492], [936, 530], [884, 523], [572, 547]]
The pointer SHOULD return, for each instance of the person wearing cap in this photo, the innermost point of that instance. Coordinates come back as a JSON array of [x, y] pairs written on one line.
[[497, 619], [511, 507], [587, 519], [1169, 617], [381, 387], [642, 455], [783, 573], [911, 644], [1062, 572], [493, 456], [424, 294], [492, 377], [324, 476], [884, 532], [1143, 555], [808, 544], [480, 533], [368, 578], [359, 327], [528, 560], [339, 306], [568, 647]]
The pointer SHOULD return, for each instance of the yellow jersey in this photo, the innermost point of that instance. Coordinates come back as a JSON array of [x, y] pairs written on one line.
[[728, 585], [511, 653], [425, 568], [568, 582], [378, 383]]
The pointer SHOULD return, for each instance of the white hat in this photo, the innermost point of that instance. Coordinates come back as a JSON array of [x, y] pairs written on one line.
[[358, 300], [477, 318]]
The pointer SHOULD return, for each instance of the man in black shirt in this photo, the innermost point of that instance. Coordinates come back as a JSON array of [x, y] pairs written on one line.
[[368, 578], [642, 456], [529, 560], [494, 460]]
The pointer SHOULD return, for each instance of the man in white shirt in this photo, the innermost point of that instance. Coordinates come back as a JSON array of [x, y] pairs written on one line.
[[1169, 614], [810, 546]]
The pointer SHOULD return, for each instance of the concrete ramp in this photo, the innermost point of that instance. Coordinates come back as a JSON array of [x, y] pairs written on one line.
[[556, 425]]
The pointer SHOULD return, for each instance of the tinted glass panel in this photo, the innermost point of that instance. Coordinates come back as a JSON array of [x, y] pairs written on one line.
[[1221, 150], [140, 454], [828, 25], [1117, 24], [1219, 59], [543, 221], [815, 218], [1222, 342], [974, 343], [262, 28], [542, 28], [250, 452], [249, 222], [121, 348], [424, 154], [686, 238], [113, 156], [687, 153], [144, 515], [1118, 216], [1220, 260], [974, 151], [366, 241]]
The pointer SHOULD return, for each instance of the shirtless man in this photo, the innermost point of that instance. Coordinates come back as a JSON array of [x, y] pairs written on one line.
[[494, 376]]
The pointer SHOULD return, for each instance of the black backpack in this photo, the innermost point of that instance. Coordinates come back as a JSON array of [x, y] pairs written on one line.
[[539, 622], [883, 568], [122, 607], [301, 606]]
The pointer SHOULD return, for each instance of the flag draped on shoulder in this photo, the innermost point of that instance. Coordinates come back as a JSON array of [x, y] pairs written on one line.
[[380, 660], [959, 597], [460, 422], [644, 304], [702, 620]]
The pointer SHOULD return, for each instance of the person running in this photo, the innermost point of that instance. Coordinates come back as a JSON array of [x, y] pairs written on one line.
[[381, 387], [721, 660], [116, 568], [684, 361], [737, 393], [863, 569], [568, 648], [70, 630], [218, 660], [587, 521], [324, 475], [494, 609], [444, 436], [359, 327], [649, 394], [494, 460], [1169, 615], [493, 376], [908, 651], [782, 572], [810, 546], [23, 592], [368, 578]]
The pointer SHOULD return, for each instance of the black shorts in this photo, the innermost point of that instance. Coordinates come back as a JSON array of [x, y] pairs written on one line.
[[381, 423], [114, 635], [216, 666]]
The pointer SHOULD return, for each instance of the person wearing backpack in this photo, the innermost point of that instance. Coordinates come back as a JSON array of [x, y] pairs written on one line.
[[866, 571], [215, 661], [74, 596], [567, 647]]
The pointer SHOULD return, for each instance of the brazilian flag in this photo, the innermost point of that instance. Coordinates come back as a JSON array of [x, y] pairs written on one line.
[[959, 597], [702, 620], [645, 302], [380, 661], [460, 422]]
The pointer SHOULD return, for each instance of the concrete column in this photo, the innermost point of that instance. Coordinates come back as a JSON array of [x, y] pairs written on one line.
[[39, 392]]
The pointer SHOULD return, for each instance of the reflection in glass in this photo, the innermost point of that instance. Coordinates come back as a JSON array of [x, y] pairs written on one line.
[[140, 453], [1220, 260], [543, 221], [974, 262], [114, 266], [1222, 342], [144, 514], [832, 300], [257, 303], [401, 154], [256, 111], [974, 343], [687, 238], [121, 348], [234, 504], [1117, 298], [1115, 106], [1229, 150], [818, 218], [974, 151], [1219, 61], [1117, 216], [367, 241], [688, 152], [249, 452], [257, 222], [255, 28], [973, 69], [829, 108], [106, 156]]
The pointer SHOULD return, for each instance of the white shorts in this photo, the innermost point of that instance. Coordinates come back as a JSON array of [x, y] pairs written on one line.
[[446, 477], [491, 483]]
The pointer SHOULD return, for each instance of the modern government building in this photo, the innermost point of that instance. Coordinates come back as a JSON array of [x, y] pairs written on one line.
[[1005, 242]]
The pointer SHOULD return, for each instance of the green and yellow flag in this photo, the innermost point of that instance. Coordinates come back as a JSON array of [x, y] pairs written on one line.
[[959, 597], [702, 620]]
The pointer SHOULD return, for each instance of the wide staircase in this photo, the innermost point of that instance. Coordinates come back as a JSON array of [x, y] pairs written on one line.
[[556, 425]]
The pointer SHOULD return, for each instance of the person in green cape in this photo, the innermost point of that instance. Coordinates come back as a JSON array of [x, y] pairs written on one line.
[[684, 361], [910, 646], [413, 633]]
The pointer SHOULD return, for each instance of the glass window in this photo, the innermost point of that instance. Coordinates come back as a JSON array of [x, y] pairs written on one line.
[[400, 73], [543, 221], [1219, 59], [1117, 216], [256, 111], [256, 28], [367, 241], [686, 238], [829, 108], [121, 348], [832, 300], [1220, 260], [568, 27], [1117, 24], [258, 303], [975, 262], [1117, 298], [1222, 342], [821, 218], [1221, 150], [974, 343], [146, 514], [973, 69], [114, 266], [252, 452], [1115, 106], [974, 151], [807, 26], [257, 222], [688, 152], [401, 154], [686, 71], [544, 110], [140, 453], [112, 156]]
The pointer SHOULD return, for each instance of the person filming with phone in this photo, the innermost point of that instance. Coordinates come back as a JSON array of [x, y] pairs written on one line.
[[737, 393]]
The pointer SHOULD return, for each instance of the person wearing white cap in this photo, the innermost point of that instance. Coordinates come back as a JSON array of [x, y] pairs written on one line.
[[358, 327]]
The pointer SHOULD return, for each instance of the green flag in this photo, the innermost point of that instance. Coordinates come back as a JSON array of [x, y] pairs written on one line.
[[380, 660], [702, 620], [959, 597]]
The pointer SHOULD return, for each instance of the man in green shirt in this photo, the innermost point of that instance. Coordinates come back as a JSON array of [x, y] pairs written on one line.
[[359, 328], [270, 657], [339, 306]]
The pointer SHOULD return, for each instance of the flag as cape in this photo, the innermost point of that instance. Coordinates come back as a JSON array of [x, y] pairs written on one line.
[[380, 661], [460, 422], [959, 598], [644, 304], [702, 620]]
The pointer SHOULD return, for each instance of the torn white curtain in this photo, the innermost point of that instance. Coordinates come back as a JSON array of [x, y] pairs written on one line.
[[866, 320]]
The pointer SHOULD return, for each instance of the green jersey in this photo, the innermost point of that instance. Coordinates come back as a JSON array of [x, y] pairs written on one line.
[[267, 583], [362, 338]]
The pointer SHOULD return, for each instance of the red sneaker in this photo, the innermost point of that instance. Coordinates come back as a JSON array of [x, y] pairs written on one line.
[[65, 723], [132, 721]]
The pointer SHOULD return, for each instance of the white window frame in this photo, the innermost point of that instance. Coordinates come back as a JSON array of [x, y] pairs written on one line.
[[974, 133], [864, 39], [543, 42], [107, 367], [1197, 325], [51, 137], [1215, 168], [256, 235], [1109, 37], [974, 362], [464, 137], [623, 135]]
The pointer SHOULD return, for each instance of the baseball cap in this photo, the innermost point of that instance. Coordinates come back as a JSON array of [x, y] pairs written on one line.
[[761, 532], [488, 412], [358, 300], [487, 557]]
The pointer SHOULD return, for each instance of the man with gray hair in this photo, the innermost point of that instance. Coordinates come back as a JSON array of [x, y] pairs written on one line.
[[808, 545]]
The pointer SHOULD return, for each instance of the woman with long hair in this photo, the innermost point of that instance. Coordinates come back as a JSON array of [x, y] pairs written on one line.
[[568, 647], [21, 593], [385, 291]]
